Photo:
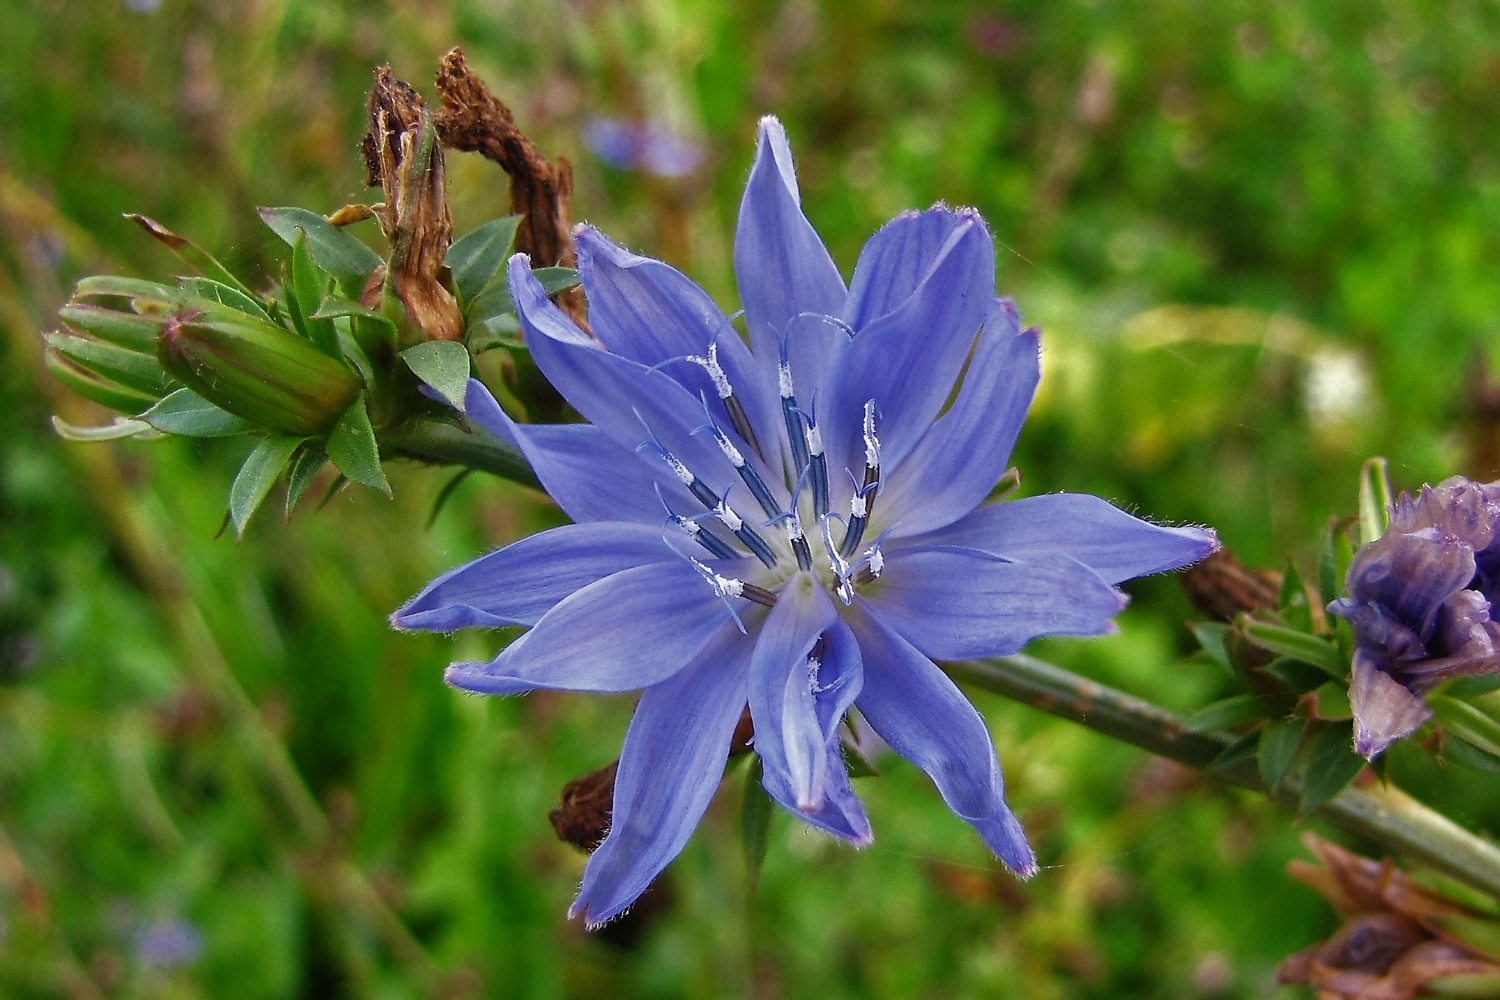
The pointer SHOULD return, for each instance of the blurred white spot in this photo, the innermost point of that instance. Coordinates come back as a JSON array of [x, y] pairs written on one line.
[[1337, 387]]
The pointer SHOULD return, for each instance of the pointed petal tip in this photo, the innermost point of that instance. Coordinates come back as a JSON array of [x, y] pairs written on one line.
[[1026, 873]]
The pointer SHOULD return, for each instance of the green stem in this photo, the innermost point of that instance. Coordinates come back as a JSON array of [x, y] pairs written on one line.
[[1383, 814], [445, 444]]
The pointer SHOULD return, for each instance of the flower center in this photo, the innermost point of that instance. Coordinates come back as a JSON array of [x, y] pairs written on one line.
[[836, 554]]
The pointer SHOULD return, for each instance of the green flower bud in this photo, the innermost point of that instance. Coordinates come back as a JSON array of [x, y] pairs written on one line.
[[257, 370]]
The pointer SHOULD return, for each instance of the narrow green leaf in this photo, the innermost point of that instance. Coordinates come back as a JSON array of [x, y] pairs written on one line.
[[191, 253], [755, 821], [444, 495], [1240, 751], [1285, 641], [1374, 500], [352, 447], [131, 369], [1473, 687], [217, 291], [257, 476], [127, 330], [1458, 750], [334, 306], [1468, 721], [476, 258], [339, 482], [1227, 713], [186, 413], [1278, 747], [1331, 765], [310, 285], [1293, 600], [340, 253], [1295, 674], [1328, 581], [91, 386], [444, 366], [1210, 636], [304, 467], [1475, 933], [118, 286], [123, 427]]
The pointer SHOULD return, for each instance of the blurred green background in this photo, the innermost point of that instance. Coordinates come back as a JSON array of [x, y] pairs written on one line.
[[1261, 237]]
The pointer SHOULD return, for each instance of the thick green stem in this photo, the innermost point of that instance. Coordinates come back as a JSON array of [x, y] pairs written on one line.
[[1383, 814], [445, 444]]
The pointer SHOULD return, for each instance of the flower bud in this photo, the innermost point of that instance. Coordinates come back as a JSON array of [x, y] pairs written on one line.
[[257, 370]]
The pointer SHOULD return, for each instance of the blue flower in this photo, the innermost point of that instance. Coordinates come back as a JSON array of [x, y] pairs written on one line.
[[795, 524], [1419, 606]]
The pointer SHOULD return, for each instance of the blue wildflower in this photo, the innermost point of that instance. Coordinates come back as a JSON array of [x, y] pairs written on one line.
[[1419, 606], [794, 524]]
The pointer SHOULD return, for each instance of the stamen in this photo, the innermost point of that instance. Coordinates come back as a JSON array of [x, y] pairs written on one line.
[[715, 545], [715, 371], [817, 464], [757, 485], [724, 589], [743, 531], [759, 595], [794, 535], [859, 517], [740, 420], [839, 563], [792, 416]]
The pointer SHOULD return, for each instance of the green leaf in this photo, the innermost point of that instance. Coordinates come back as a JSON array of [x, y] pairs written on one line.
[[186, 413], [118, 286], [755, 821], [1467, 721], [1331, 765], [1279, 742], [1374, 500], [1295, 674], [1458, 750], [476, 258], [127, 330], [123, 427], [306, 465], [1226, 714], [1240, 751], [339, 253], [309, 285], [1285, 641], [90, 386], [1328, 581], [334, 306], [1330, 702], [131, 369], [217, 291], [444, 495], [191, 253], [1210, 636], [352, 447], [495, 300], [1292, 600], [444, 366], [257, 476], [1473, 687]]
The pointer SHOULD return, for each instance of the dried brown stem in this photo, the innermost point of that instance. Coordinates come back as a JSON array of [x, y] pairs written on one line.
[[474, 120], [403, 157]]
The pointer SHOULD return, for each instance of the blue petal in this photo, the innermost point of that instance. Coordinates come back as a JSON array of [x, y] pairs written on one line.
[[1384, 710], [924, 717], [520, 583], [954, 604], [585, 472], [1104, 538], [962, 456], [895, 260], [650, 312], [788, 736], [1411, 575], [619, 396], [839, 812], [909, 359], [625, 632], [781, 265], [670, 766]]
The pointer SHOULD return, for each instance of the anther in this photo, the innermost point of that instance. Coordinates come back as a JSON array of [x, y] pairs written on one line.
[[757, 485], [792, 416], [795, 536], [724, 588], [818, 466], [743, 531], [715, 545]]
